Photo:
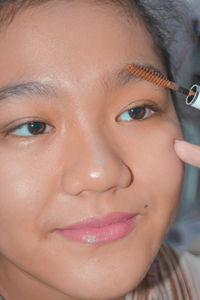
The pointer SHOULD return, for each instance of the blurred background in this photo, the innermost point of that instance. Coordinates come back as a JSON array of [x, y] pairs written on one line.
[[185, 233]]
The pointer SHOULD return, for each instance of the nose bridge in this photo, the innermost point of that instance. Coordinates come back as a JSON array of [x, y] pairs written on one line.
[[101, 156], [96, 166]]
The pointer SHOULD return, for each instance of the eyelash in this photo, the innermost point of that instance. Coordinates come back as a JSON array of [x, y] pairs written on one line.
[[30, 123], [137, 109], [130, 110]]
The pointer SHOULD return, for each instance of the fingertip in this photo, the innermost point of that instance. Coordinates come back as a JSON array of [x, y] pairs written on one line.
[[182, 150], [179, 146], [188, 152]]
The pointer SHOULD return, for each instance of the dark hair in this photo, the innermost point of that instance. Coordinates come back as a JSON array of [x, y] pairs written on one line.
[[163, 20]]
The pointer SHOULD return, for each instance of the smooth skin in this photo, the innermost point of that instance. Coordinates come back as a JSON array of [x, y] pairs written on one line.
[[90, 160]]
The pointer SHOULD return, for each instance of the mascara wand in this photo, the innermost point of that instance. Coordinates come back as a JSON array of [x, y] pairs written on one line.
[[153, 76]]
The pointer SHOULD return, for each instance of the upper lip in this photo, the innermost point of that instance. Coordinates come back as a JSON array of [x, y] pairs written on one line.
[[101, 221]]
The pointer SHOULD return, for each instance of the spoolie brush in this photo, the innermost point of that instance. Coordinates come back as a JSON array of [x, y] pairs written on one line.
[[155, 77]]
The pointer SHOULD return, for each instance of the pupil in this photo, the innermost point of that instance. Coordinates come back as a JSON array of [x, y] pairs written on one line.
[[36, 127], [137, 113]]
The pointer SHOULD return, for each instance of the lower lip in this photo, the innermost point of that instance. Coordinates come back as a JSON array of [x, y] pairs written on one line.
[[100, 235]]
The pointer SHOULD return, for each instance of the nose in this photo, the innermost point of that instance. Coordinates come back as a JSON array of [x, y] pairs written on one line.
[[95, 167]]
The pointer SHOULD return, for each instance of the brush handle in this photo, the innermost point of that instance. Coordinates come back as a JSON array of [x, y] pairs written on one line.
[[174, 86], [194, 101]]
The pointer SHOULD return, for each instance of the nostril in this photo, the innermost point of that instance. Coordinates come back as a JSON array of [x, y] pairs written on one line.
[[96, 167]]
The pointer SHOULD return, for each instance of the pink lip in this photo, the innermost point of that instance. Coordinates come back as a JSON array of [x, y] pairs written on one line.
[[97, 230]]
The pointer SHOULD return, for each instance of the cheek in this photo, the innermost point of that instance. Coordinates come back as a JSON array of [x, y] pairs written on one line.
[[158, 165], [162, 175], [25, 188], [152, 157], [158, 176]]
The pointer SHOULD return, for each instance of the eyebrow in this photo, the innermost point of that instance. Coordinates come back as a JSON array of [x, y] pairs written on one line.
[[27, 89], [32, 88], [125, 76]]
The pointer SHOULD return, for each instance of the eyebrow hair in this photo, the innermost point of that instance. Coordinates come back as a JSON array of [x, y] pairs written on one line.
[[46, 89], [27, 89], [125, 76]]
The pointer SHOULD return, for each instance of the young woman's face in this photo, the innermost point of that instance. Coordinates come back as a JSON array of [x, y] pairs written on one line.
[[89, 180]]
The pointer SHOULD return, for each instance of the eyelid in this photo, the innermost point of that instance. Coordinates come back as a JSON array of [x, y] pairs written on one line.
[[142, 103], [21, 122]]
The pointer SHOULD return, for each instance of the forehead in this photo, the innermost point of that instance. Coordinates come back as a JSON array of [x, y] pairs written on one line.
[[75, 39], [9, 9]]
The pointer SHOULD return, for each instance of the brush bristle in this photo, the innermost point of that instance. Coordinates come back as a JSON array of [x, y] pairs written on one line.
[[149, 75], [155, 77]]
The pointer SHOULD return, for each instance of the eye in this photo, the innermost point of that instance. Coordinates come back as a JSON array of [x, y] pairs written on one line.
[[31, 129], [137, 113]]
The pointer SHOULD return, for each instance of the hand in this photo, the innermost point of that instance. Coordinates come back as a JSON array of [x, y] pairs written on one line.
[[188, 153]]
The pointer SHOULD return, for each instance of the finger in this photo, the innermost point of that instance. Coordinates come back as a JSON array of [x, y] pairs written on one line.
[[188, 152]]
